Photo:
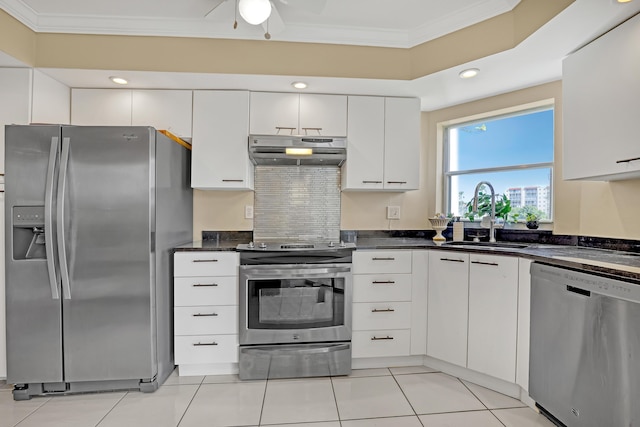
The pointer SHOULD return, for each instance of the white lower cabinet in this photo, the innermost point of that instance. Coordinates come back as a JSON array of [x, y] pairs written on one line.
[[448, 306], [383, 289], [205, 311], [493, 315], [473, 311]]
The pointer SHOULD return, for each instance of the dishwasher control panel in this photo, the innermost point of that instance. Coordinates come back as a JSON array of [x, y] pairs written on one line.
[[587, 281]]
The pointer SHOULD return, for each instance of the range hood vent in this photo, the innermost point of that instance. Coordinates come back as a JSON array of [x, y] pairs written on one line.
[[293, 150]]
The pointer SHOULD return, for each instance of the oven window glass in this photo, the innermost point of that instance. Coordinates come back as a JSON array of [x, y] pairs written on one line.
[[296, 303]]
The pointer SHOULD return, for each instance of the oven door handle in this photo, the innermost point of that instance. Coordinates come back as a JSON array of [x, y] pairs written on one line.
[[278, 350], [257, 272]]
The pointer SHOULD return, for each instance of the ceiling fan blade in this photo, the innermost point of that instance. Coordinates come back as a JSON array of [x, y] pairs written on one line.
[[216, 3], [311, 6], [275, 22]]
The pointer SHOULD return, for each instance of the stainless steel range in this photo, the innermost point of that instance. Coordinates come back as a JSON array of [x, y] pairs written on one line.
[[295, 309]]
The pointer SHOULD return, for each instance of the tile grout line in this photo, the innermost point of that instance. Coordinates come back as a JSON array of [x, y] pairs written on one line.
[[335, 399], [264, 398], [112, 408], [190, 402], [32, 412], [483, 404], [405, 396]]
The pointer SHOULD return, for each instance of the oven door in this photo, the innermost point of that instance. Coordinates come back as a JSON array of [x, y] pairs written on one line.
[[298, 303]]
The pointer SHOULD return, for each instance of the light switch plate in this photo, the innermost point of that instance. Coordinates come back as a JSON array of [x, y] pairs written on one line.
[[248, 212], [393, 212]]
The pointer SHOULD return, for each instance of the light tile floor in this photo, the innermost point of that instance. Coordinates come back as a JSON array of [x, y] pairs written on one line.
[[397, 397]]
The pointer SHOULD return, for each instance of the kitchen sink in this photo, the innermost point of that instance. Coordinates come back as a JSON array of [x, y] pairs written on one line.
[[497, 245]]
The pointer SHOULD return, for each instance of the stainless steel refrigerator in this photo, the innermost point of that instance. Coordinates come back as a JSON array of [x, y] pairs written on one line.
[[91, 215]]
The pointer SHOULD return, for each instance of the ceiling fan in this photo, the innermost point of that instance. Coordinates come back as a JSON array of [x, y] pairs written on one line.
[[265, 12]]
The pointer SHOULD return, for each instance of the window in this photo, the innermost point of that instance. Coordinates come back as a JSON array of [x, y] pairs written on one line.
[[513, 152]]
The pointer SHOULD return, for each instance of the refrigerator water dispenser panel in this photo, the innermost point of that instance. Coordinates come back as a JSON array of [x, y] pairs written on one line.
[[28, 232]]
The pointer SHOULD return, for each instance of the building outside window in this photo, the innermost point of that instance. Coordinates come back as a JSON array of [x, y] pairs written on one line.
[[513, 152]]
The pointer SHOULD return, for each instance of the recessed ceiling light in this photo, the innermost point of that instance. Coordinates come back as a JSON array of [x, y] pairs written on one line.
[[118, 80], [624, 1], [299, 85], [468, 73]]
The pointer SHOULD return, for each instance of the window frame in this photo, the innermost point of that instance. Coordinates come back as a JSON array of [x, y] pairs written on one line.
[[483, 118]]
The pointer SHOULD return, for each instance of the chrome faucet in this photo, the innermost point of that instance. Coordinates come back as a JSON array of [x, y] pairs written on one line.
[[492, 223]]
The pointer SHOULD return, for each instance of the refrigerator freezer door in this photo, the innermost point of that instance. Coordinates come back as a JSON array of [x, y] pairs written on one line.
[[107, 224], [34, 322]]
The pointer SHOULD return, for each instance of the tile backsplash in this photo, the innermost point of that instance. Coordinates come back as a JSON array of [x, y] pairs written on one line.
[[296, 203]]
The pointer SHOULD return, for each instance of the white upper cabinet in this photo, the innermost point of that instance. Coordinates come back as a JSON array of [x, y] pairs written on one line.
[[364, 168], [402, 143], [163, 109], [601, 106], [383, 144], [220, 135], [298, 114]]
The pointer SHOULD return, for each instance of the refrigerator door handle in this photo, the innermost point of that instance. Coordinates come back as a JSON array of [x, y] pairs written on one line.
[[62, 247], [48, 218]]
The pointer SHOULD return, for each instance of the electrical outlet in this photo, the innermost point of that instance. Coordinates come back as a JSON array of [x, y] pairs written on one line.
[[248, 212], [393, 212]]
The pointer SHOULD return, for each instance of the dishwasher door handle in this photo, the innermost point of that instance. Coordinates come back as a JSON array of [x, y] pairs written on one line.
[[578, 291]]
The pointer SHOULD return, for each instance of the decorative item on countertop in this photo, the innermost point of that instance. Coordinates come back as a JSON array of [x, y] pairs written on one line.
[[439, 223], [532, 221], [458, 230]]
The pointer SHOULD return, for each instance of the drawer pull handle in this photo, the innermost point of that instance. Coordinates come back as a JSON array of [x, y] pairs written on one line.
[[205, 315], [205, 260], [383, 282], [383, 259], [451, 260], [233, 180], [372, 182], [628, 160], [198, 344], [485, 263], [374, 338], [382, 310], [202, 285], [396, 182]]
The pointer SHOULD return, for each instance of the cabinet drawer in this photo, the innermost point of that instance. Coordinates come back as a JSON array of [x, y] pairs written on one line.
[[381, 287], [205, 264], [380, 343], [190, 291], [370, 316], [206, 349], [206, 320], [371, 262]]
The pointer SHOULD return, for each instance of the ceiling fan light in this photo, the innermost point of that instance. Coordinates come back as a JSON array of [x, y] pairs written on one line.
[[255, 12]]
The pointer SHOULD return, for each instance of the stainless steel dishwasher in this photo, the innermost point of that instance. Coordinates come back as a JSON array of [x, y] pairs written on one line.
[[585, 348]]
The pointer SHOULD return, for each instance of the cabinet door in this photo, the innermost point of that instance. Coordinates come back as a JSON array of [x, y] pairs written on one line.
[[101, 107], [524, 321], [270, 111], [323, 115], [163, 109], [493, 315], [447, 309], [364, 167], [402, 144], [220, 137], [600, 89]]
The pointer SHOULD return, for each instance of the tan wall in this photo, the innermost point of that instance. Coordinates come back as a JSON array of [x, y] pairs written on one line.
[[601, 209]]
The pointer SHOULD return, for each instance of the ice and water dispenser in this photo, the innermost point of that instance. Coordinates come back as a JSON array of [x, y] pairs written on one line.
[[28, 232]]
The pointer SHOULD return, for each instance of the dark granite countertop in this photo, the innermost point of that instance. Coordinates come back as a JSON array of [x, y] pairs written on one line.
[[579, 253]]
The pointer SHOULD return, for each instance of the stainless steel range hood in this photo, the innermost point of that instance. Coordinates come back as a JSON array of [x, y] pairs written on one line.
[[294, 150]]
